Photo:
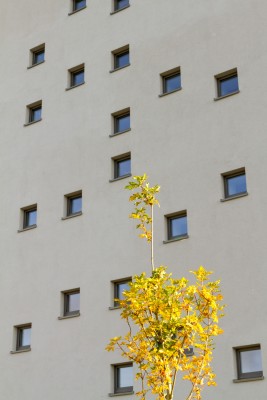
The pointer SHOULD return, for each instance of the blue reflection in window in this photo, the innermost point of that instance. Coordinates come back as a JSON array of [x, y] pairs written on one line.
[[122, 123], [38, 57], [228, 85], [78, 4], [35, 114], [120, 288], [172, 83], [30, 218], [236, 185], [123, 167], [119, 4], [77, 78], [177, 227], [75, 205], [122, 59]]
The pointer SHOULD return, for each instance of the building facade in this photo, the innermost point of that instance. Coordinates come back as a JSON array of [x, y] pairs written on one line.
[[92, 92]]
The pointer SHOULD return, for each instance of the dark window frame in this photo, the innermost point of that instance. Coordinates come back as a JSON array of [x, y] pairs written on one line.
[[224, 76], [117, 387], [67, 294], [118, 53], [34, 52], [233, 174], [246, 375], [31, 110], [189, 352], [19, 337], [117, 8], [70, 198], [165, 79], [116, 284], [74, 6], [169, 74], [73, 72], [171, 217], [117, 161], [116, 117], [26, 211]]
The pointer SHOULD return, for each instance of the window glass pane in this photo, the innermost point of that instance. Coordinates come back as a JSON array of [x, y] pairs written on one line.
[[38, 57], [228, 85], [121, 4], [122, 59], [78, 4], [120, 288], [236, 185], [178, 226], [77, 78], [36, 113], [31, 217], [74, 302], [251, 361], [75, 205], [123, 123], [125, 376], [172, 83], [123, 167], [25, 337]]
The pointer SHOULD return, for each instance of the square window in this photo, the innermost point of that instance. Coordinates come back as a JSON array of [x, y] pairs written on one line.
[[29, 217], [38, 55], [72, 302], [189, 351], [120, 4], [78, 4], [34, 112], [123, 378], [76, 76], [122, 121], [74, 204], [177, 225], [121, 57], [23, 337], [227, 83], [171, 80], [249, 363], [122, 166], [119, 287], [235, 183]]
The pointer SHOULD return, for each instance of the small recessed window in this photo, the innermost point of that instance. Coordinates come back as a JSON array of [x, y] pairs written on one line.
[[235, 183], [38, 55], [78, 4], [171, 81], [23, 337], [120, 4], [119, 288], [123, 378], [122, 121], [249, 362], [122, 166], [74, 204], [227, 83], [29, 217], [121, 57], [189, 351], [72, 302], [76, 76], [177, 226], [34, 112]]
